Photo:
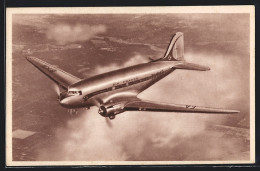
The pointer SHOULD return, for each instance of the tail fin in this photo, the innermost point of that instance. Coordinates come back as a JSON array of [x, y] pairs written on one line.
[[175, 51]]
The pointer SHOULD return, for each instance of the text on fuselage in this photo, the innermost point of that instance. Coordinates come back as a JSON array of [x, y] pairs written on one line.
[[136, 79]]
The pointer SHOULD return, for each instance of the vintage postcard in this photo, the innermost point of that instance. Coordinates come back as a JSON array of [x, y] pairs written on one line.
[[130, 85]]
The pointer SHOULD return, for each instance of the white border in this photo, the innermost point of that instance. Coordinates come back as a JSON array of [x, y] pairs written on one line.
[[124, 10]]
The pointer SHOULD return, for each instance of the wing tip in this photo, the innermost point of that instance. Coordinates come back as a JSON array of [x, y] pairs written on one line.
[[29, 58], [207, 68], [230, 111], [235, 111]]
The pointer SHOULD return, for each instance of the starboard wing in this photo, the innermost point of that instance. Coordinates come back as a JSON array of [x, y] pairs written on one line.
[[140, 105], [59, 76]]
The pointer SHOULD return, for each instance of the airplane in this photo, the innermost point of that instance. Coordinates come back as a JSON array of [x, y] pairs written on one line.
[[116, 92]]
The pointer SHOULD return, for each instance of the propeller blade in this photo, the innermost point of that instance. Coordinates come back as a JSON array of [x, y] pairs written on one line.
[[109, 123], [57, 89]]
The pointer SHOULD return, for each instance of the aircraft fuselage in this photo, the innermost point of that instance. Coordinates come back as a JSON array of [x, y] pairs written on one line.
[[128, 81]]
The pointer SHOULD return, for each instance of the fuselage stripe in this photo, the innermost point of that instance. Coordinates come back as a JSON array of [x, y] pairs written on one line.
[[123, 85]]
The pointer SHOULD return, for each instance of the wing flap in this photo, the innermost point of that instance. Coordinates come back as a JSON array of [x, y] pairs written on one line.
[[59, 76], [141, 105]]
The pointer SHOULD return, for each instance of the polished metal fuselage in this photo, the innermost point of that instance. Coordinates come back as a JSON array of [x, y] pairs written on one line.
[[125, 82]]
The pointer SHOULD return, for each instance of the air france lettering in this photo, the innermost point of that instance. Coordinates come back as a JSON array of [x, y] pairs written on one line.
[[125, 81], [130, 80], [154, 76]]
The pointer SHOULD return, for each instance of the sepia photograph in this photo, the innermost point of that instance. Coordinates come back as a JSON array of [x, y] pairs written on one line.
[[130, 85]]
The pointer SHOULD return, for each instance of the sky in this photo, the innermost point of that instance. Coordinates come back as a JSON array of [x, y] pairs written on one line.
[[220, 41]]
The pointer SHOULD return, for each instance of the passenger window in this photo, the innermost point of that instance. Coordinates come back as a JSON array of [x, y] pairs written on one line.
[[75, 93]]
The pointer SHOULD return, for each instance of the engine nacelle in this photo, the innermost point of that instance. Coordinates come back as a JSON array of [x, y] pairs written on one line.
[[110, 110]]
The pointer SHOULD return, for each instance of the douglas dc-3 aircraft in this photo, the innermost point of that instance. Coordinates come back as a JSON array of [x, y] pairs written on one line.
[[116, 91]]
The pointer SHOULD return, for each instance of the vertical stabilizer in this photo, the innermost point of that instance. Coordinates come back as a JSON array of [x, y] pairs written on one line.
[[175, 51]]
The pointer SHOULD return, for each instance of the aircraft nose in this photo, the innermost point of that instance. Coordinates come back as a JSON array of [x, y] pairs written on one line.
[[64, 101]]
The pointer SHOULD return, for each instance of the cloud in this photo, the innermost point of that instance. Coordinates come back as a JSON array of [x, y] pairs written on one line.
[[65, 33], [134, 60], [156, 135], [84, 138], [88, 138]]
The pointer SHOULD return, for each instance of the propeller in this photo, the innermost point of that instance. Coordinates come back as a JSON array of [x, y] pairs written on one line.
[[57, 89], [109, 123]]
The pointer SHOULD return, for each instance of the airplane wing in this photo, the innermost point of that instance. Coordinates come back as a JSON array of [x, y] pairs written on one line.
[[59, 76], [140, 105]]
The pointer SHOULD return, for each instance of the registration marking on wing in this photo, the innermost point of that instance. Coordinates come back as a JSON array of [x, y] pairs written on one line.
[[190, 107], [50, 69]]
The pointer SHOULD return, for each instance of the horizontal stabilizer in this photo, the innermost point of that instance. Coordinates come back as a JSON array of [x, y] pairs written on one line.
[[190, 66]]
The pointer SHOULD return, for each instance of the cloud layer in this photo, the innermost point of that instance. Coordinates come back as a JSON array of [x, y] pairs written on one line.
[[159, 136], [65, 33]]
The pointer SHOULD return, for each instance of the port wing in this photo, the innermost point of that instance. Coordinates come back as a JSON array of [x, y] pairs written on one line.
[[59, 76], [140, 105]]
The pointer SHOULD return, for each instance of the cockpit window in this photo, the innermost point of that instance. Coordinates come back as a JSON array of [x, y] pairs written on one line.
[[74, 93]]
